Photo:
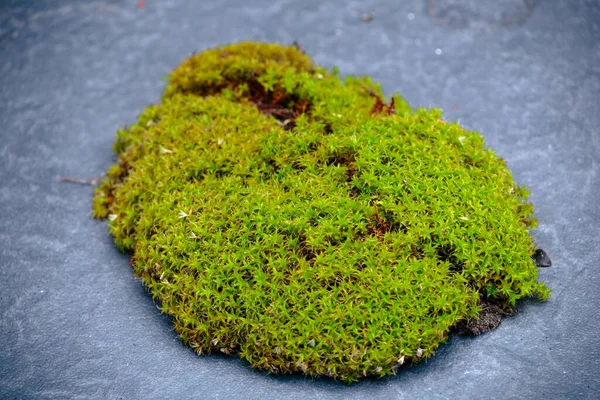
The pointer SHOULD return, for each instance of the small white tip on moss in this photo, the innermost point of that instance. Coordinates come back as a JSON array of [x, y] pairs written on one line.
[[182, 214]]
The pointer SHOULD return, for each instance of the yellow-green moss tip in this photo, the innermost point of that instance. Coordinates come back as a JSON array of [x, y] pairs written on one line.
[[307, 224]]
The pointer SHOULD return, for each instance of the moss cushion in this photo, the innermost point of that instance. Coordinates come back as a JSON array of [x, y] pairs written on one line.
[[305, 223]]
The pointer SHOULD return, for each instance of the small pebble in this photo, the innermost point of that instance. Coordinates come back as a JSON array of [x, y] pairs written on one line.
[[541, 259]]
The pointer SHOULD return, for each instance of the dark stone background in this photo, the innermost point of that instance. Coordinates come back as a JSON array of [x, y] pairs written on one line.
[[74, 321]]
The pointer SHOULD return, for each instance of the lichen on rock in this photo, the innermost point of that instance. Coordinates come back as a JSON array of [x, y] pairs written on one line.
[[300, 220]]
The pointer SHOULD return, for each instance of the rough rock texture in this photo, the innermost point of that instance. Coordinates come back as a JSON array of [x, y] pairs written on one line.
[[71, 73]]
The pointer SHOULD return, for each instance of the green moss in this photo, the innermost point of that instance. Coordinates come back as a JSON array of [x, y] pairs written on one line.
[[297, 219]]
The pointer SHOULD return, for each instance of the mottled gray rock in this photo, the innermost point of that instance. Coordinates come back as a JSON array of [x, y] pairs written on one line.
[[75, 323]]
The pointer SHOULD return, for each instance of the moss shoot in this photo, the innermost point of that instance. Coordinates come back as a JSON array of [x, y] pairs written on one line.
[[302, 221]]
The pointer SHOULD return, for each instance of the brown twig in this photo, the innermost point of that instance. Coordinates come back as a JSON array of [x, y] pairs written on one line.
[[92, 181]]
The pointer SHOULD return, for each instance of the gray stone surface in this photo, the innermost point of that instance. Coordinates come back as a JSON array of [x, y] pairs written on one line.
[[75, 323]]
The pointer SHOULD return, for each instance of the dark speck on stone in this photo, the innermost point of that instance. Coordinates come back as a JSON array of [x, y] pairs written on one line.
[[368, 17], [541, 258]]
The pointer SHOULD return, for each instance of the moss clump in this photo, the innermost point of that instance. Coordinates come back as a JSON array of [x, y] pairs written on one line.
[[297, 219]]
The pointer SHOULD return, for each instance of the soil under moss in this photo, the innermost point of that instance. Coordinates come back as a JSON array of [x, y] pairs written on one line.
[[307, 224]]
